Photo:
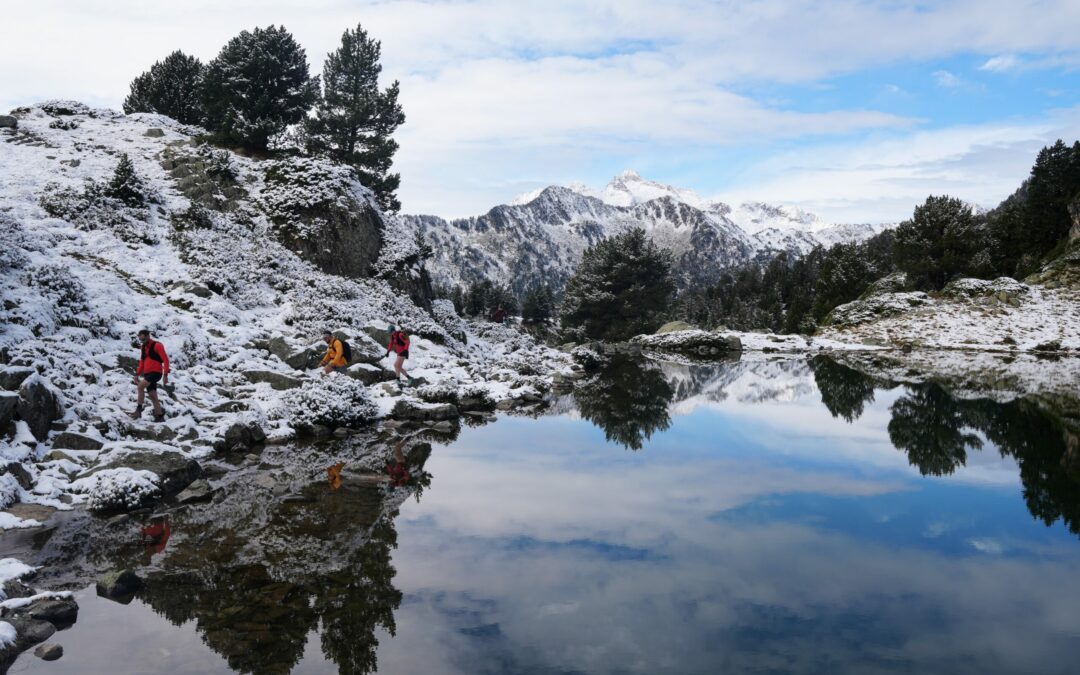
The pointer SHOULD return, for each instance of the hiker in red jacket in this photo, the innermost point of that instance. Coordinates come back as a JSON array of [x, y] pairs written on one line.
[[153, 368], [399, 344]]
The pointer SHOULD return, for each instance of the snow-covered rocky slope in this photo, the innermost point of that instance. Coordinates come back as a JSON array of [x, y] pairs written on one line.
[[539, 236], [236, 289]]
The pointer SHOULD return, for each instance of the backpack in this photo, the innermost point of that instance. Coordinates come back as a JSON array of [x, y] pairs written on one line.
[[346, 351], [149, 351]]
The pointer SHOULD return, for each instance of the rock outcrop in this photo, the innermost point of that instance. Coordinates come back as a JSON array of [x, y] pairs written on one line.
[[38, 406]]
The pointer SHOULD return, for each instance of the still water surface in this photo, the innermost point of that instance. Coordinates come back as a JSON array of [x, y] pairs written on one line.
[[761, 517]]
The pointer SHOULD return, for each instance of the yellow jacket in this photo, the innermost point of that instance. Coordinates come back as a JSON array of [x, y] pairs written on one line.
[[335, 354]]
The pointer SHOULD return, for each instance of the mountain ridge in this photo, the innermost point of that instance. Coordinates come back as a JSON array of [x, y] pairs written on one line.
[[538, 237]]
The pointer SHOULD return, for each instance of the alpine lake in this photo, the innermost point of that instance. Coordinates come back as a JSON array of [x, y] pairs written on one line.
[[775, 514]]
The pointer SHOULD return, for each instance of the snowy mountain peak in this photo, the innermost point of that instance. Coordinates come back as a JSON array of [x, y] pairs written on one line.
[[629, 189]]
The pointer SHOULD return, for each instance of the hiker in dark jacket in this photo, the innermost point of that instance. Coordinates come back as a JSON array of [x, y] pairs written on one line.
[[153, 368]]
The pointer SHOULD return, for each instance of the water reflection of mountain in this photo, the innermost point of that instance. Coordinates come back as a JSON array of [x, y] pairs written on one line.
[[280, 553]]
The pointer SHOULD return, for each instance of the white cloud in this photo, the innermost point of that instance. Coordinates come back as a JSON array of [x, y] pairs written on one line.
[[501, 93], [1000, 64], [882, 179], [944, 78]]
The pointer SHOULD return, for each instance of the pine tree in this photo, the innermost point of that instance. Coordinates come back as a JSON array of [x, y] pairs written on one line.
[[538, 305], [125, 185], [257, 86], [937, 243], [170, 87], [354, 120], [622, 288]]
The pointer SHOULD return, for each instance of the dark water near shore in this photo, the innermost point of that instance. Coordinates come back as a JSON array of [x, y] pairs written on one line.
[[760, 517]]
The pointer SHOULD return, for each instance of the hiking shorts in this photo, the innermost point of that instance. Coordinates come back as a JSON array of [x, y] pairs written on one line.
[[340, 369], [404, 354], [153, 379]]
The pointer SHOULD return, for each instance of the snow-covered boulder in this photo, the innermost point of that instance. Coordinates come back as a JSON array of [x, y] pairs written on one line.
[[120, 489], [692, 343], [875, 307], [39, 405]]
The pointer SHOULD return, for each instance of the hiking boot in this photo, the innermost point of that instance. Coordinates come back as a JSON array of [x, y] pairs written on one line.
[[137, 414], [159, 417]]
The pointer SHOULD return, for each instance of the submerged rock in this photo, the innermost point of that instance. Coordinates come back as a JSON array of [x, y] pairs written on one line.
[[118, 584], [199, 491], [49, 651]]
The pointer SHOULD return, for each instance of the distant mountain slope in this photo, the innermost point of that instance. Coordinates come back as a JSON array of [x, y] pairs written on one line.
[[539, 237]]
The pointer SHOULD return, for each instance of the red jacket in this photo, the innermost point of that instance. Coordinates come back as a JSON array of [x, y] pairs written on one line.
[[399, 342], [153, 359]]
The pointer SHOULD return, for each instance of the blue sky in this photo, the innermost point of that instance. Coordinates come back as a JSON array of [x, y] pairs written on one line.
[[854, 110]]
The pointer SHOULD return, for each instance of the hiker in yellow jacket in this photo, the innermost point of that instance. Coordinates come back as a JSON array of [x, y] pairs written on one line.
[[334, 360]]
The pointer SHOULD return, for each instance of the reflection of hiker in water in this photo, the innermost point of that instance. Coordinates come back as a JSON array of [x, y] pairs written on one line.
[[397, 469], [155, 536]]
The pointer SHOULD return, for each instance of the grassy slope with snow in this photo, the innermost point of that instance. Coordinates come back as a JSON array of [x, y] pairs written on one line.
[[122, 286]]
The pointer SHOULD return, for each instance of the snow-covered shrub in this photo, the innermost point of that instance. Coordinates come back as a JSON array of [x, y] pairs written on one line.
[[402, 251], [9, 490], [446, 316], [63, 291], [60, 107], [13, 241], [334, 401], [118, 489], [92, 208], [298, 193], [439, 392], [64, 125]]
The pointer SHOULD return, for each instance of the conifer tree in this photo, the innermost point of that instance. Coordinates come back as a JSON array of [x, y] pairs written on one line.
[[257, 86], [622, 288], [125, 185], [170, 87], [354, 119]]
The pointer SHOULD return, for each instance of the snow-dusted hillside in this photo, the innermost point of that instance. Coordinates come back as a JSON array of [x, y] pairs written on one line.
[[539, 236], [233, 288]]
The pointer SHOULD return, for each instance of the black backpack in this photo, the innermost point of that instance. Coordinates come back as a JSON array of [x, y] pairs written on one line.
[[346, 351]]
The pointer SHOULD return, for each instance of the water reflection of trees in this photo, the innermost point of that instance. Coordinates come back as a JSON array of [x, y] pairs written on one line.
[[935, 429], [844, 391], [628, 399], [331, 571]]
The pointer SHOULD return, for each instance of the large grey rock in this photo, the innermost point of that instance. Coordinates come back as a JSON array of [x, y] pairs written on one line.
[[15, 588], [175, 471], [20, 473], [199, 491], [692, 343], [154, 132], [60, 612], [70, 440], [242, 437], [279, 347], [118, 584], [379, 335], [29, 632], [305, 359], [8, 121], [349, 236], [276, 381], [9, 403], [369, 374], [38, 406], [409, 410], [12, 377], [673, 326]]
